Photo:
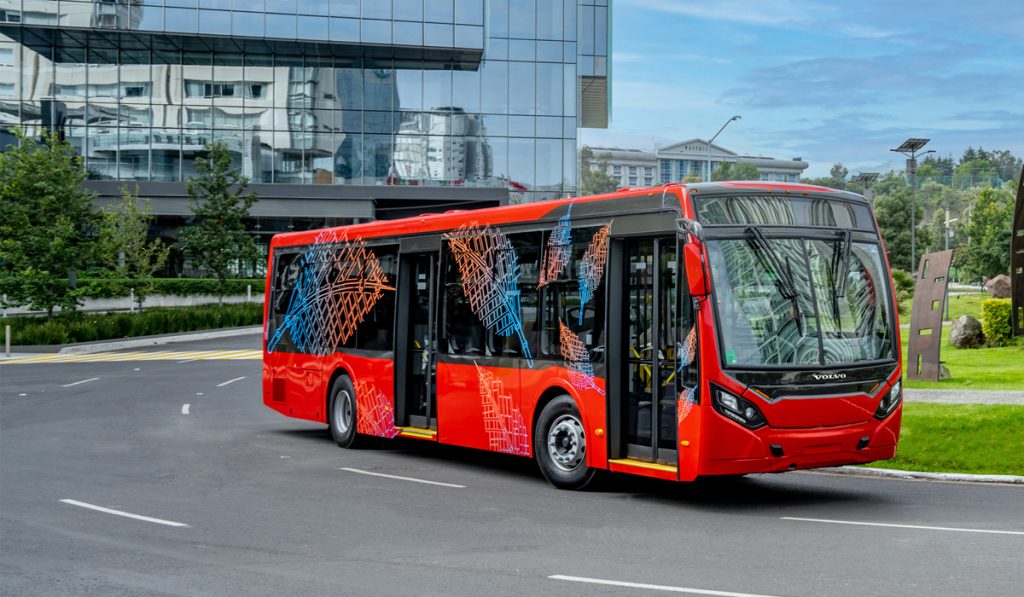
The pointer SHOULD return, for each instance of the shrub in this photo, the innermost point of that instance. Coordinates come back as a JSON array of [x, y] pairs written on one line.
[[904, 283], [995, 321], [82, 327], [119, 288]]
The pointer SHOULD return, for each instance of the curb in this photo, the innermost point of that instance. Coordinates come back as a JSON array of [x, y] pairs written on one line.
[[155, 340], [922, 476]]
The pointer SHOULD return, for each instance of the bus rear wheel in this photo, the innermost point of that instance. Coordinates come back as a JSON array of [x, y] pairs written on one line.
[[341, 412], [560, 445]]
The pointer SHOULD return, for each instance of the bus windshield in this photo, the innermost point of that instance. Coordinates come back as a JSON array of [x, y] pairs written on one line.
[[801, 301]]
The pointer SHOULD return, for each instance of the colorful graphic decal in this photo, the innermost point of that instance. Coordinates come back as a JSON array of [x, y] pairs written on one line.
[[556, 255], [687, 354], [503, 422], [376, 416], [577, 360], [339, 282], [490, 279], [591, 268]]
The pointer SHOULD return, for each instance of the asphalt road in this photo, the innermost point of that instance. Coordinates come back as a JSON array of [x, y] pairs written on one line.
[[271, 510]]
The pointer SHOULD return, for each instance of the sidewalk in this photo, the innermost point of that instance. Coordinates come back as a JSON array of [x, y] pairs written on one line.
[[137, 342], [961, 396]]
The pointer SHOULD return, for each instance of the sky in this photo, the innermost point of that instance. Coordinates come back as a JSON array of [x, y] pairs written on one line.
[[827, 81]]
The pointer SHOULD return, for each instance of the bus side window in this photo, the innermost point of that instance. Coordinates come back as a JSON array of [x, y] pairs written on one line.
[[561, 303], [464, 333], [286, 272], [527, 249], [375, 330]]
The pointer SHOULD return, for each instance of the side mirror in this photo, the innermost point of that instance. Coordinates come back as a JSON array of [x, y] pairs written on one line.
[[696, 275], [691, 228]]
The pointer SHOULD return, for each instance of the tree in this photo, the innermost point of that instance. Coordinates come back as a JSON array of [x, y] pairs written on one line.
[[985, 251], [216, 240], [738, 171], [594, 177], [125, 242], [892, 210], [49, 224], [974, 173], [838, 176]]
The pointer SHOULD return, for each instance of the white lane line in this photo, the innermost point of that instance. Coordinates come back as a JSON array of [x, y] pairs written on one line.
[[199, 393], [221, 385], [362, 472], [169, 523], [68, 385], [904, 526], [640, 585], [184, 408]]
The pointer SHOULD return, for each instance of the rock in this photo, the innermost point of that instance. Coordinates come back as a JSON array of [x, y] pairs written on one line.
[[966, 333], [944, 372], [999, 287]]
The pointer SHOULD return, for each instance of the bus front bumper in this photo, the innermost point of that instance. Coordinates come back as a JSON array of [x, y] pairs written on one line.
[[736, 450]]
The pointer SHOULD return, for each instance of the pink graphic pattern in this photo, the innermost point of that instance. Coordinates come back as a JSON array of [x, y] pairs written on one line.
[[375, 414], [687, 354], [577, 360], [503, 422], [556, 255]]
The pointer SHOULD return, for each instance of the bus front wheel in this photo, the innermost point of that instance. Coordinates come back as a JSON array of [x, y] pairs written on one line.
[[341, 412], [560, 445]]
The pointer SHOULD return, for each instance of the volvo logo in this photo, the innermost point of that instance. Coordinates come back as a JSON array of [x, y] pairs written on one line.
[[824, 376]]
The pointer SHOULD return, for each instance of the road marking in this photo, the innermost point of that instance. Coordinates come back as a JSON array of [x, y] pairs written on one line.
[[199, 393], [640, 585], [68, 385], [362, 472], [221, 385], [184, 409], [904, 526], [169, 523]]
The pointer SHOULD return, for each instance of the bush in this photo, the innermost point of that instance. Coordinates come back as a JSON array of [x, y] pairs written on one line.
[[904, 283], [995, 321], [119, 288], [81, 327]]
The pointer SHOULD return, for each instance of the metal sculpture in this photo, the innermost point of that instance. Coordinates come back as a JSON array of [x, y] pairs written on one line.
[[591, 269], [577, 360], [556, 255], [339, 282], [506, 431], [1017, 263], [926, 318], [490, 279]]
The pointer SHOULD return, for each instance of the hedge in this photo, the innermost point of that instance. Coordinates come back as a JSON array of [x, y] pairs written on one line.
[[81, 327], [995, 321], [119, 288]]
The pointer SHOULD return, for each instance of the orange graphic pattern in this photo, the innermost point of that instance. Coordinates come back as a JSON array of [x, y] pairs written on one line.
[[489, 268], [556, 255], [591, 269], [577, 360], [503, 422], [375, 414]]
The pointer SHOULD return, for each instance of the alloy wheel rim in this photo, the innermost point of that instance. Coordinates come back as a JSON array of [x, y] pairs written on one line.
[[567, 443]]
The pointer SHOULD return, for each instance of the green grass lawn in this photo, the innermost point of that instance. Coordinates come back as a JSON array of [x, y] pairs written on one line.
[[960, 438], [978, 369], [973, 368]]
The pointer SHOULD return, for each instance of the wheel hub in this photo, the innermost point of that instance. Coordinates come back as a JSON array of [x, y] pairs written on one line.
[[566, 443]]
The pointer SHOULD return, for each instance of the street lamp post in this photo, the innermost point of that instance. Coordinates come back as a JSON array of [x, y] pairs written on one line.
[[866, 179], [910, 148], [737, 117]]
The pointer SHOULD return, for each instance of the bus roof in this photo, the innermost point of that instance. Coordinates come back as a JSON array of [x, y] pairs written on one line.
[[526, 212]]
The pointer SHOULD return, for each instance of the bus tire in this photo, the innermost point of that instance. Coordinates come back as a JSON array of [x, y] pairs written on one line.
[[559, 444], [341, 412]]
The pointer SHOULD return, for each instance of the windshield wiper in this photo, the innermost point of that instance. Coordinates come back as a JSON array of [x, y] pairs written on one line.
[[785, 280], [840, 270]]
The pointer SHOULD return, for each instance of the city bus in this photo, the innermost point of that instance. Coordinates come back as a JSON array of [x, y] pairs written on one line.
[[677, 332]]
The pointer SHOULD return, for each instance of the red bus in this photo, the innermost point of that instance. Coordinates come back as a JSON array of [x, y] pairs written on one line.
[[674, 332]]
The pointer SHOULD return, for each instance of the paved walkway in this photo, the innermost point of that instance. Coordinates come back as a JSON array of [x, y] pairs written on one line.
[[965, 396]]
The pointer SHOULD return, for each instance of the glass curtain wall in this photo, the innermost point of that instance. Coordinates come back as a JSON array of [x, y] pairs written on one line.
[[144, 114]]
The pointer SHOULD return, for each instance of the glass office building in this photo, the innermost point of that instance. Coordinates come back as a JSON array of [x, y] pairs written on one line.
[[338, 110]]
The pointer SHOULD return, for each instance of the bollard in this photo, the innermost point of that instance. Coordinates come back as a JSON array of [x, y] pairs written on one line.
[[248, 293], [7, 340], [131, 300]]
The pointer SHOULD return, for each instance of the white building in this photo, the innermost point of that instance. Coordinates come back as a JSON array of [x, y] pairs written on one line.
[[673, 163]]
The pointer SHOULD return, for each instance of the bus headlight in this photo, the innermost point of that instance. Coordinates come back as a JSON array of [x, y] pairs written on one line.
[[890, 401], [738, 409]]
